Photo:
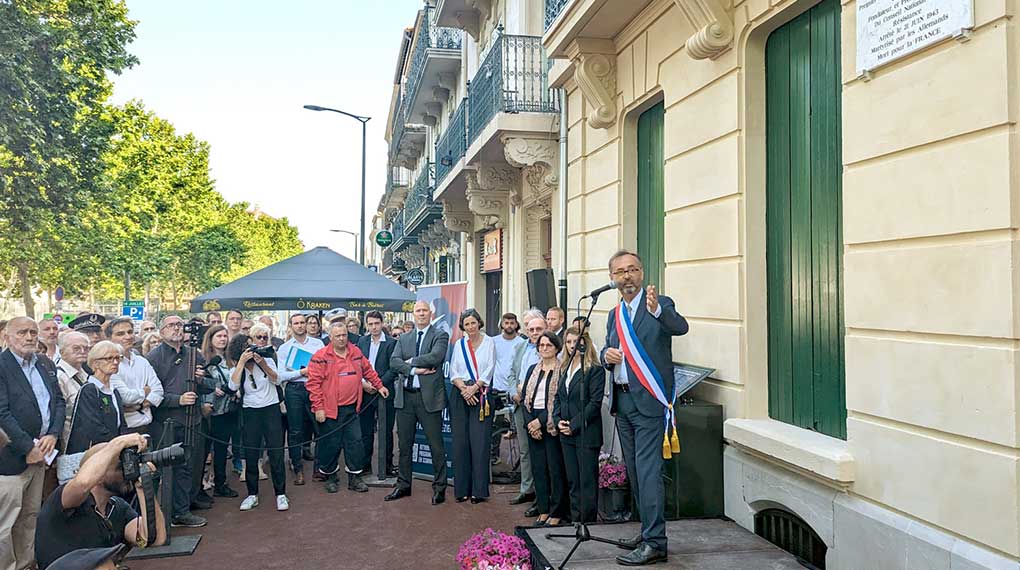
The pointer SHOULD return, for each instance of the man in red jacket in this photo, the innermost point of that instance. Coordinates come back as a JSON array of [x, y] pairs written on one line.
[[335, 376]]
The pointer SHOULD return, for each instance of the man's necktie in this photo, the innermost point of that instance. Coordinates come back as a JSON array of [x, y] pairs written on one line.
[[417, 351]]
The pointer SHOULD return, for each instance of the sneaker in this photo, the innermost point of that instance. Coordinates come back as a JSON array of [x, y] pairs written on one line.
[[249, 502], [224, 491], [282, 504], [188, 521], [496, 461]]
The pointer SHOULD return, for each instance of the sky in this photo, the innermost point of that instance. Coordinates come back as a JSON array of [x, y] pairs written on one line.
[[237, 73]]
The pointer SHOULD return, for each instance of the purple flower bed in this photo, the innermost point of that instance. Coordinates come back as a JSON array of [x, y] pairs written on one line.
[[494, 550], [612, 473]]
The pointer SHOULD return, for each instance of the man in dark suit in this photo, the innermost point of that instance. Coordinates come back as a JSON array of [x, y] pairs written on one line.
[[639, 414], [32, 412], [421, 397], [378, 348]]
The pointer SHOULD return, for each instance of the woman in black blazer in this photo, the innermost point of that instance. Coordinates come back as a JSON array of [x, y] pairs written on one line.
[[98, 413], [538, 394], [578, 417]]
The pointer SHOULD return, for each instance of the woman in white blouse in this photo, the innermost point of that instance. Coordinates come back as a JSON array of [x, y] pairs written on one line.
[[474, 359], [261, 420]]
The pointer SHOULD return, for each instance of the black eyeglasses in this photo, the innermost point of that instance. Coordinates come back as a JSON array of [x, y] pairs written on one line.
[[261, 337]]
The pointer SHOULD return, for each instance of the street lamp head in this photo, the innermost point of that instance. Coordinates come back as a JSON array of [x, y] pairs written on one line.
[[314, 108]]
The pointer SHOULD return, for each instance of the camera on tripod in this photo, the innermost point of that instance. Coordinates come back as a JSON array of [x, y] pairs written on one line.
[[195, 332], [132, 460]]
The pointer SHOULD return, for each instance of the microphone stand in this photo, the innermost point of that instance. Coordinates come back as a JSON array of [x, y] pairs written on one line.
[[581, 532]]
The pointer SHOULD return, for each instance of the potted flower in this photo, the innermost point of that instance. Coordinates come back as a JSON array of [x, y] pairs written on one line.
[[494, 550], [614, 490]]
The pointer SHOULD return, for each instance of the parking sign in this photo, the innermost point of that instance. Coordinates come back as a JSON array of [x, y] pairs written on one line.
[[133, 309]]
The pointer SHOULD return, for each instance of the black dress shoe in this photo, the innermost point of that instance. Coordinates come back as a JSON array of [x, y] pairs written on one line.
[[522, 498], [439, 497], [462, 499], [397, 494], [531, 512], [641, 556], [476, 500], [392, 472], [631, 544]]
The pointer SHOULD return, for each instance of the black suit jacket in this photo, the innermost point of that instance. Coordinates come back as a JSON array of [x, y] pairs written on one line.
[[655, 334], [581, 405], [20, 417], [382, 360], [433, 355]]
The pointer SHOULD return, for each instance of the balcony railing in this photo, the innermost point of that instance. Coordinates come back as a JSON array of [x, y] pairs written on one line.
[[453, 144], [397, 227], [552, 10], [513, 78], [398, 123], [421, 193], [430, 36]]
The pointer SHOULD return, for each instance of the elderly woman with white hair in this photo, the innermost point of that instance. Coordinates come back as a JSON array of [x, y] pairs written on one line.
[[98, 413]]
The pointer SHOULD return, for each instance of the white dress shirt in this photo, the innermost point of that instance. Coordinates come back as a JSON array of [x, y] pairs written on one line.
[[620, 370], [505, 350], [373, 348], [133, 375], [485, 355], [287, 374], [263, 393], [42, 395]]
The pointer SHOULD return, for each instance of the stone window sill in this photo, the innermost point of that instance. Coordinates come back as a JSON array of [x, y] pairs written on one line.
[[824, 456]]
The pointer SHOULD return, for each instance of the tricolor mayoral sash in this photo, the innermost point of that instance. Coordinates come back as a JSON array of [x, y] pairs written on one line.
[[471, 363], [648, 376]]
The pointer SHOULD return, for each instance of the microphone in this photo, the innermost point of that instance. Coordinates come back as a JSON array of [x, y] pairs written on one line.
[[594, 294], [215, 360]]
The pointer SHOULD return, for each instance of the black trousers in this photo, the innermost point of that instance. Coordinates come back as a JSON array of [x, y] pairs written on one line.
[[199, 455], [641, 440], [343, 433], [582, 466], [408, 417], [300, 421], [223, 427], [548, 470], [471, 448], [262, 428], [181, 473]]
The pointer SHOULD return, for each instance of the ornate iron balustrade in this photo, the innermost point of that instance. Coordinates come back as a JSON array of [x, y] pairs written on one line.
[[398, 125], [513, 78], [453, 144], [419, 208], [552, 10], [397, 228], [430, 36]]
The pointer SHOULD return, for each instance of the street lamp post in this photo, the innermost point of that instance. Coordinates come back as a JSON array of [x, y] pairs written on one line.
[[357, 240], [364, 122]]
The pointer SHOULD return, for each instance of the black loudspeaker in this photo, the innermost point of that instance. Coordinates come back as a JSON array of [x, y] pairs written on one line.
[[541, 289]]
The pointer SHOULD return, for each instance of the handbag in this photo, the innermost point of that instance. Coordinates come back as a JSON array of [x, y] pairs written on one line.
[[68, 464]]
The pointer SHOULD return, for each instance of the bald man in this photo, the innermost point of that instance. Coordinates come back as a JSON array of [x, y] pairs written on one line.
[[32, 415], [420, 398]]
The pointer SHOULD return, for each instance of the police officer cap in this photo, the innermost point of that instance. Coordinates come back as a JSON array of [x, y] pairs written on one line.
[[335, 314], [88, 321], [85, 558]]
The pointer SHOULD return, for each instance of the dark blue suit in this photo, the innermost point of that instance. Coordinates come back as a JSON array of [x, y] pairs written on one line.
[[20, 417], [639, 416], [368, 413]]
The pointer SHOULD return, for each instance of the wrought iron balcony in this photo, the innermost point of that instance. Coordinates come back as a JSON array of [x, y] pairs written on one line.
[[552, 10], [397, 229], [513, 78], [419, 208], [453, 144], [431, 38]]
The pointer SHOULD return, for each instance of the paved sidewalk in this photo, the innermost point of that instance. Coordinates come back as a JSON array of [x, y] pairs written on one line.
[[346, 530]]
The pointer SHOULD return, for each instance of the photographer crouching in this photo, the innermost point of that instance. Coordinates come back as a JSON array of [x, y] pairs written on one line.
[[89, 511]]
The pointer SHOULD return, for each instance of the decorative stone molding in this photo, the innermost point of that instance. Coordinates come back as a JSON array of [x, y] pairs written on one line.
[[714, 24], [440, 93], [447, 80], [538, 160], [533, 219], [458, 218], [488, 193], [471, 20], [595, 73]]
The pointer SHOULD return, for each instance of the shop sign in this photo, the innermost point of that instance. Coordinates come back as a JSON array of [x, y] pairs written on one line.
[[492, 251]]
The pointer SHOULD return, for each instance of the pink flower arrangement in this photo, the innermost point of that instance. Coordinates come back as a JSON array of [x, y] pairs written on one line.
[[612, 473], [494, 550]]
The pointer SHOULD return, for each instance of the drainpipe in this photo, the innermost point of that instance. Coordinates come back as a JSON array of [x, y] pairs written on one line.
[[563, 199]]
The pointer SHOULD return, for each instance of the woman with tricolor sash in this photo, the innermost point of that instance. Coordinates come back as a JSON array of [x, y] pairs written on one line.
[[577, 413], [474, 360], [539, 395]]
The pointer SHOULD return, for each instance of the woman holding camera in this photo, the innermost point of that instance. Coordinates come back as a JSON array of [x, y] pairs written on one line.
[[225, 403], [577, 414], [538, 393], [254, 375]]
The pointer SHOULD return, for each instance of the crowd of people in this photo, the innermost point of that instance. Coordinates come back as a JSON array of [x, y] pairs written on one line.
[[260, 402]]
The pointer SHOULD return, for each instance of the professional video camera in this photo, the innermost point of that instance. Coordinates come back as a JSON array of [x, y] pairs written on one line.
[[132, 460], [195, 332]]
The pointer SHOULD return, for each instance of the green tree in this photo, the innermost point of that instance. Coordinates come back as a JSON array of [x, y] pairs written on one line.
[[54, 60]]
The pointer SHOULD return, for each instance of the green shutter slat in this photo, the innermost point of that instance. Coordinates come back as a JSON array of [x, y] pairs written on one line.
[[650, 194], [804, 222]]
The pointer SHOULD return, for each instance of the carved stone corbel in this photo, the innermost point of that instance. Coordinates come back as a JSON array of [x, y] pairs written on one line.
[[440, 93], [595, 73], [713, 23], [538, 160], [488, 193], [458, 218]]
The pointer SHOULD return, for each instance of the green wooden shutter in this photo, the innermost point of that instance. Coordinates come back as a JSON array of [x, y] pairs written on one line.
[[804, 222], [651, 215]]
